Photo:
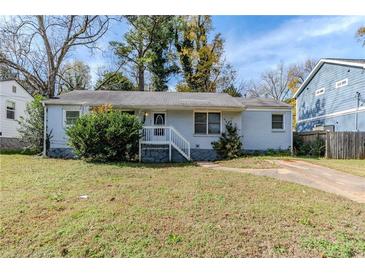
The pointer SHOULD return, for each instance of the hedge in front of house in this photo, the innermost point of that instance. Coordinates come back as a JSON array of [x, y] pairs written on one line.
[[106, 136]]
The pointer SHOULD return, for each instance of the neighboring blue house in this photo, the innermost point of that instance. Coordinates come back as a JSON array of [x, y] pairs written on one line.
[[333, 97]]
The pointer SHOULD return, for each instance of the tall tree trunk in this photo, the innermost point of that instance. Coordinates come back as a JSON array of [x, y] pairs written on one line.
[[141, 78]]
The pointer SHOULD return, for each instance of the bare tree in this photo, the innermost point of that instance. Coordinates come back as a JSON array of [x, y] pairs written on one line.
[[36, 46], [252, 89], [297, 73], [275, 82], [360, 34], [74, 75]]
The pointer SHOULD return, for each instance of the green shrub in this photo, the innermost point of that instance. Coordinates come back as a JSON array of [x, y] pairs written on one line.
[[32, 126], [106, 136], [229, 145], [316, 148]]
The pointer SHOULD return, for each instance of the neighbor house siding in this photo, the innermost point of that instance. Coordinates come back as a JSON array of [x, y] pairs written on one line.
[[333, 100], [258, 134], [9, 127]]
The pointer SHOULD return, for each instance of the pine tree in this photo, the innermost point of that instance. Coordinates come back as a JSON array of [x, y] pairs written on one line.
[[229, 145]]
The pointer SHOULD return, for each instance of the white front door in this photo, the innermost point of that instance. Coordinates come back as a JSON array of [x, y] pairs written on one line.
[[159, 119]]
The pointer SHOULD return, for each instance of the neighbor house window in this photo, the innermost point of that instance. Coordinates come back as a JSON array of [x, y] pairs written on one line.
[[14, 89], [342, 83], [277, 121], [71, 116], [10, 110], [207, 123], [319, 91]]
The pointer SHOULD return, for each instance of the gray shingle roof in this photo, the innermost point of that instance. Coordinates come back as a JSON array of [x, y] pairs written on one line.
[[138, 99], [168, 100], [262, 102]]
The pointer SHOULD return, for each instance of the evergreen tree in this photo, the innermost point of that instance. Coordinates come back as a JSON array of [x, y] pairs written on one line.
[[145, 46], [114, 81], [200, 58], [229, 145], [32, 126]]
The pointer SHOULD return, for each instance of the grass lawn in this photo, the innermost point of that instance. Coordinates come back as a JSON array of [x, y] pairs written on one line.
[[355, 167], [249, 162], [137, 210]]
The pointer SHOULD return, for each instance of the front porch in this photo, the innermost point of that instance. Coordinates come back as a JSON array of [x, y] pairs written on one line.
[[163, 144]]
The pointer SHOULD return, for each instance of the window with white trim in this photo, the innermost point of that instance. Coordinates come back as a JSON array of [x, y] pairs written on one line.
[[277, 121], [10, 110], [206, 123], [342, 83], [319, 91], [13, 89], [71, 116]]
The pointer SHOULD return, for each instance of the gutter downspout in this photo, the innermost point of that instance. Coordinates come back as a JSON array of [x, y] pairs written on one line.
[[44, 130], [357, 111]]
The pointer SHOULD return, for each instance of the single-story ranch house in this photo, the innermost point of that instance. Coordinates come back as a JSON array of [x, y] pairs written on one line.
[[177, 126]]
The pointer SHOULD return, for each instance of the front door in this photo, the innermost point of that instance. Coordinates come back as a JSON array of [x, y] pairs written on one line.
[[159, 120]]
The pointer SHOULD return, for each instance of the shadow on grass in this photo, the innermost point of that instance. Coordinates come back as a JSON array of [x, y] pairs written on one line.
[[142, 165], [16, 152]]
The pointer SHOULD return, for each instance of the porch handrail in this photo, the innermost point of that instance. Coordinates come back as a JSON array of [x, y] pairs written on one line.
[[166, 135]]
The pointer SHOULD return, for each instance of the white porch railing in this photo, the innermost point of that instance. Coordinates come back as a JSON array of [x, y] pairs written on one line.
[[166, 135]]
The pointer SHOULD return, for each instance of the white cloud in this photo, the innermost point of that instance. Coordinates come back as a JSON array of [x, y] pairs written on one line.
[[294, 41]]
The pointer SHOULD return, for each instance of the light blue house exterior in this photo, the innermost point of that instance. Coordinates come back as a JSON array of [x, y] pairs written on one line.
[[177, 126], [332, 97]]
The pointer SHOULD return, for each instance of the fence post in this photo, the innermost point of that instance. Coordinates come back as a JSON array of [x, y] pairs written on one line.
[[327, 144]]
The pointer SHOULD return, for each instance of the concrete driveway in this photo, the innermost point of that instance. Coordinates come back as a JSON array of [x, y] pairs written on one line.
[[301, 172]]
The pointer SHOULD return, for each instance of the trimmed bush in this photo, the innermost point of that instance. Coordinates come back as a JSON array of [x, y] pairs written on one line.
[[106, 136], [229, 145]]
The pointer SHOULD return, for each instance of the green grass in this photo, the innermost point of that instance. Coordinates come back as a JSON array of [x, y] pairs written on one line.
[[249, 162], [135, 210], [355, 167]]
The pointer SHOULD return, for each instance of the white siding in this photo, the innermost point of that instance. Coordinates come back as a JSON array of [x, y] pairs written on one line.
[[254, 126], [183, 121], [258, 134], [55, 125], [9, 127]]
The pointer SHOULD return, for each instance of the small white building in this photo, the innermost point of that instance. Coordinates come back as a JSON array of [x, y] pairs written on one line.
[[13, 101]]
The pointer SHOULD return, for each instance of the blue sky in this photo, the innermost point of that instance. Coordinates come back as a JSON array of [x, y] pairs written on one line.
[[254, 44]]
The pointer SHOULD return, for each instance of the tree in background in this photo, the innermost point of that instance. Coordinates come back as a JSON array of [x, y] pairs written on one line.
[[163, 58], [32, 125], [361, 34], [275, 83], [35, 47], [74, 76], [145, 45], [297, 74], [200, 60], [233, 91], [114, 81], [6, 73]]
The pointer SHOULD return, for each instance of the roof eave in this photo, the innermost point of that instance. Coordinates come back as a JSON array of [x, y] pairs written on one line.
[[318, 66], [168, 107]]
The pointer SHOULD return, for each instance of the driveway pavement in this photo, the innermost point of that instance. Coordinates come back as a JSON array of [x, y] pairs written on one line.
[[301, 172]]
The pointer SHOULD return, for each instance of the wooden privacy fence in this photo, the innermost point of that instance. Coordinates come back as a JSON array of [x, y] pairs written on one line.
[[339, 145], [345, 145]]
